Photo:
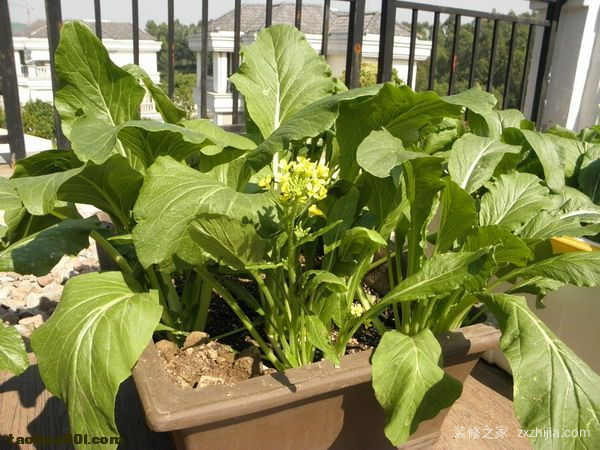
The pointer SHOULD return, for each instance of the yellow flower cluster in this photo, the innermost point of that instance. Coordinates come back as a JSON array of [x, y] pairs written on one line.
[[356, 310], [303, 180]]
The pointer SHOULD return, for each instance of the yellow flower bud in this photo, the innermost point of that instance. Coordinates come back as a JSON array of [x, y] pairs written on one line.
[[313, 210]]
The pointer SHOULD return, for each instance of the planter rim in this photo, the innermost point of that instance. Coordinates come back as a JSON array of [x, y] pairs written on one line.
[[168, 407]]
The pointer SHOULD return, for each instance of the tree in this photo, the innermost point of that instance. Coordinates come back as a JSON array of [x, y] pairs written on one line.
[[38, 119], [183, 92], [185, 59], [463, 58], [368, 75]]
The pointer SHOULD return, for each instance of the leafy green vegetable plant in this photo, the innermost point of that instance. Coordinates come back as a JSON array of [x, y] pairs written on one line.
[[455, 199]]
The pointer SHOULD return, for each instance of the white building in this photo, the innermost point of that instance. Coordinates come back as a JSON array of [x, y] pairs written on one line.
[[32, 58], [220, 47]]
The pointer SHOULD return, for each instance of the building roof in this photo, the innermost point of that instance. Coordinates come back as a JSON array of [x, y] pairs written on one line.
[[253, 19], [110, 30]]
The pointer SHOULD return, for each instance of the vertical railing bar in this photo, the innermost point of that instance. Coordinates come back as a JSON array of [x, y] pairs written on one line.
[[490, 80], [135, 16], [354, 47], [10, 87], [171, 47], [525, 68], [53, 25], [474, 51], [204, 62], [433, 55], [98, 18], [509, 64], [325, 34], [453, 58], [413, 41], [235, 59], [269, 13], [387, 31], [552, 15], [298, 15]]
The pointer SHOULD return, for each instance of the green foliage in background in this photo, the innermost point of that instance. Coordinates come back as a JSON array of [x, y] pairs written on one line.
[[185, 59], [368, 75], [183, 91], [38, 119], [463, 57]]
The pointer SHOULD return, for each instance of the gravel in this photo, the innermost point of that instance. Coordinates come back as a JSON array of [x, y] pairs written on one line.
[[26, 301]]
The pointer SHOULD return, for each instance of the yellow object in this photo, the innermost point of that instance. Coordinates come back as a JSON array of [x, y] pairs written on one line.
[[568, 244]]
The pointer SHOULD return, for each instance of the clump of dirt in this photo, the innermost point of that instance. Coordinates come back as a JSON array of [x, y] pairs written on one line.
[[201, 362]]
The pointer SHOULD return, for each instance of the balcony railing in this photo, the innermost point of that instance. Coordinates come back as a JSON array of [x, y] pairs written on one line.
[[546, 25], [34, 72]]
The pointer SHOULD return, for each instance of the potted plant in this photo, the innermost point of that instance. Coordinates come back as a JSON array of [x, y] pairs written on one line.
[[284, 223]]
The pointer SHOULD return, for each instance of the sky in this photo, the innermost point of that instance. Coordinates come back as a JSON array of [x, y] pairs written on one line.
[[188, 11]]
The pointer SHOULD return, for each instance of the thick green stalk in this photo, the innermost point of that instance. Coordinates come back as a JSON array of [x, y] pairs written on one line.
[[205, 297], [224, 293]]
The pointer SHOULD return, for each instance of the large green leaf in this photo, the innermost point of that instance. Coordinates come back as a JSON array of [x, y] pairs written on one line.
[[307, 123], [547, 224], [553, 389], [341, 212], [439, 275], [508, 248], [410, 383], [458, 215], [399, 110], [228, 240], [381, 152], [280, 75], [53, 175], [358, 241], [144, 140], [9, 199], [475, 99], [89, 345], [89, 83], [320, 336], [167, 109], [589, 175], [548, 153], [13, 356], [578, 268], [423, 182], [513, 200], [473, 160], [173, 195], [386, 202], [39, 252]]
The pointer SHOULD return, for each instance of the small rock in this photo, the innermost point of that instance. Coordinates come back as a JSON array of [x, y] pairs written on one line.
[[47, 305], [24, 288], [167, 348], [207, 380], [248, 364], [196, 338], [33, 321], [32, 300], [24, 330], [45, 280], [9, 316]]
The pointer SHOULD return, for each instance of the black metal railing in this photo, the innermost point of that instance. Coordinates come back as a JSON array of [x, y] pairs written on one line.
[[356, 24]]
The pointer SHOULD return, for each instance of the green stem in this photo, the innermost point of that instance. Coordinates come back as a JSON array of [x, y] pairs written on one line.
[[390, 270], [166, 314], [381, 261], [205, 297], [379, 326], [224, 293]]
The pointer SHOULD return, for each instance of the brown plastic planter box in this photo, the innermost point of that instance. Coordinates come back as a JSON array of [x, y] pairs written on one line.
[[312, 407]]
